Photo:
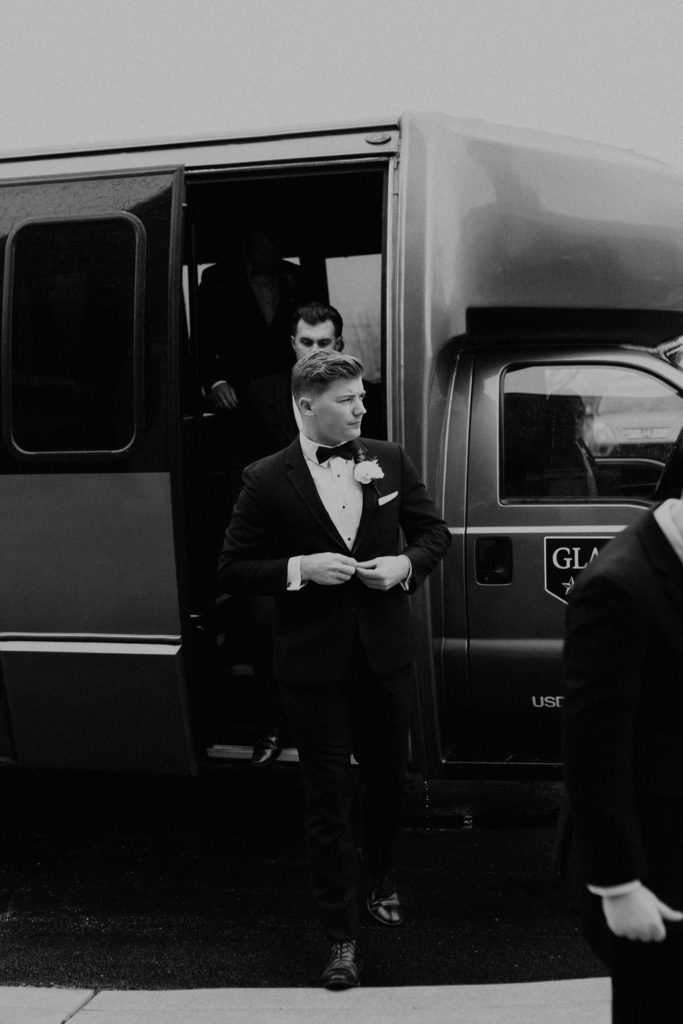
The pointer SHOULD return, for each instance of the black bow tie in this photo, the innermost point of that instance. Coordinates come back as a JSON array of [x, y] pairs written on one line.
[[344, 451]]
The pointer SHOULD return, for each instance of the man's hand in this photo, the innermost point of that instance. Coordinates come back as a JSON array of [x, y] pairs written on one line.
[[327, 568], [384, 572], [223, 396], [638, 915]]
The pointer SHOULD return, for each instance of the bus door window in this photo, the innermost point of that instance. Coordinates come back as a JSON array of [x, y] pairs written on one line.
[[355, 289], [586, 433]]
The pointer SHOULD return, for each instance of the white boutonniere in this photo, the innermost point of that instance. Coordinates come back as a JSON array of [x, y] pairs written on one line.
[[366, 470]]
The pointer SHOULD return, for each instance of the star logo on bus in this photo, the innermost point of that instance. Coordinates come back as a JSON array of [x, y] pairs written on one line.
[[565, 558]]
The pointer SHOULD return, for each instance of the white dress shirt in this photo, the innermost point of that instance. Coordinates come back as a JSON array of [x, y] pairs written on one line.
[[340, 493]]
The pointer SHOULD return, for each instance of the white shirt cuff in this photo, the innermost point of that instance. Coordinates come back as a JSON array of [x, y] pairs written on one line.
[[294, 573], [405, 583], [615, 890]]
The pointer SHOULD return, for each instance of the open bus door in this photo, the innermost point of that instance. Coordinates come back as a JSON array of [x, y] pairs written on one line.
[[91, 666]]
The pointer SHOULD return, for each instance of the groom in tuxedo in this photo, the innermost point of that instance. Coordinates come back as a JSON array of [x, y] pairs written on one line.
[[319, 526]]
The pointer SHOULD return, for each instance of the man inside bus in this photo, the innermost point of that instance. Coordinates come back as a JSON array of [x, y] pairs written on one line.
[[623, 741], [318, 525], [245, 303]]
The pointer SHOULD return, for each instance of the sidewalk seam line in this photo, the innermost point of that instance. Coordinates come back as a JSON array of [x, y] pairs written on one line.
[[78, 1009]]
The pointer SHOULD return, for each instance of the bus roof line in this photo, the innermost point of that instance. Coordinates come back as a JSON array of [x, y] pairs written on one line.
[[192, 142]]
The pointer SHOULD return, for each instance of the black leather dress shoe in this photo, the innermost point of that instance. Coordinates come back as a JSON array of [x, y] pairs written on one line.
[[383, 902], [343, 967], [266, 749]]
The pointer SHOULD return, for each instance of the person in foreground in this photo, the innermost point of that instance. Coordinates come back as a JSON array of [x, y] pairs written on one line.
[[623, 747], [318, 525]]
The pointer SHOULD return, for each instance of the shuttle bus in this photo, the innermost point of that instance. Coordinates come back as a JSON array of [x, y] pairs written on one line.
[[517, 297]]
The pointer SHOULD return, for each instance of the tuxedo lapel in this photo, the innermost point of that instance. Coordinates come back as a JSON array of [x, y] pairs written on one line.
[[370, 499], [301, 479]]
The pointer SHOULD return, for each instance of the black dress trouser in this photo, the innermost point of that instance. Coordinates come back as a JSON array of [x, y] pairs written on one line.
[[368, 715]]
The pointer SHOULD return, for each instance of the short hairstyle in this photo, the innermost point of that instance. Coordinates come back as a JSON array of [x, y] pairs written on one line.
[[313, 313], [314, 373]]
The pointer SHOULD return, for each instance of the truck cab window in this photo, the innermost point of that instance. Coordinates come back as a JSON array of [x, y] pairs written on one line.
[[70, 376], [581, 433]]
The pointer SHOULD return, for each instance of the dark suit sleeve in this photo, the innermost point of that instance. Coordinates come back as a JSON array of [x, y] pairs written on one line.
[[426, 534], [221, 349], [251, 444], [603, 659], [249, 563], [210, 322]]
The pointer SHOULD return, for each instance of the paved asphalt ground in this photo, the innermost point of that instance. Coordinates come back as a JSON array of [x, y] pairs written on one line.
[[165, 883]]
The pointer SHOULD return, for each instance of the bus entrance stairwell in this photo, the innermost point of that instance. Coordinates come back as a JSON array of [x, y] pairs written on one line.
[[313, 237]]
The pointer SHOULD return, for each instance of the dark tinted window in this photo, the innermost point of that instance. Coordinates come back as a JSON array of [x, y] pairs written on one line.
[[579, 433], [73, 344]]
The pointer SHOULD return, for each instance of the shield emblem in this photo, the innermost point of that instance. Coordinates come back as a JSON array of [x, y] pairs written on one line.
[[565, 558]]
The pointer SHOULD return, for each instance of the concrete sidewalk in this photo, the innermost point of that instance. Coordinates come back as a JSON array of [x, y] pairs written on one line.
[[584, 1001]]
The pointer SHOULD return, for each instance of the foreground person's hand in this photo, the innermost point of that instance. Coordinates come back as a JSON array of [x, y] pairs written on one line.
[[328, 568], [638, 915]]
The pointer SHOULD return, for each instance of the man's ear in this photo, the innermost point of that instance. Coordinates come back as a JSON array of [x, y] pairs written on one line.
[[339, 344], [305, 407], [291, 341]]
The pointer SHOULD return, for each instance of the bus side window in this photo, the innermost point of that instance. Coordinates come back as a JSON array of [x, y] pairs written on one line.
[[72, 370]]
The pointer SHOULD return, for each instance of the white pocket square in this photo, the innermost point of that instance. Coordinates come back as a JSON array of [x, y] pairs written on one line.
[[387, 497]]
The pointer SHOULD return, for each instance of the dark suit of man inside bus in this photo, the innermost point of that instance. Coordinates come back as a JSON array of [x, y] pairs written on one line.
[[245, 306]]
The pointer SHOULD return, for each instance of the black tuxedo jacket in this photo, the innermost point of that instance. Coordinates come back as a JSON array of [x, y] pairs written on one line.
[[279, 514], [236, 342], [623, 713], [269, 422], [269, 416]]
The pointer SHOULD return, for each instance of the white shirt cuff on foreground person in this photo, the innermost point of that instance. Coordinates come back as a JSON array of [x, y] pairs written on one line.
[[294, 573], [615, 890], [405, 583]]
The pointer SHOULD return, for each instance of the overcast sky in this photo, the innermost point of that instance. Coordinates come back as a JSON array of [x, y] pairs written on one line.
[[84, 71]]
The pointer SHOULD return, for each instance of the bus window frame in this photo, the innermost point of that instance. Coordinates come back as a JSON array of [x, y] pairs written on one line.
[[138, 346]]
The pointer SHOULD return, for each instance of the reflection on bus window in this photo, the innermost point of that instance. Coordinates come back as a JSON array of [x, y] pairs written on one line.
[[586, 432], [355, 288], [72, 335]]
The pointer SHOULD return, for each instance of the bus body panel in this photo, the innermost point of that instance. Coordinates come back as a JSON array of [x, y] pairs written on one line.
[[104, 706], [497, 217], [89, 553]]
